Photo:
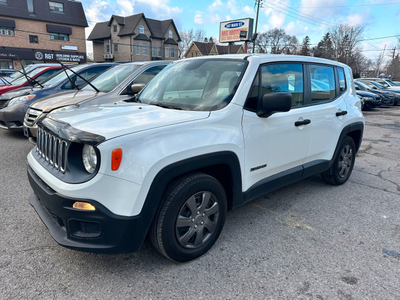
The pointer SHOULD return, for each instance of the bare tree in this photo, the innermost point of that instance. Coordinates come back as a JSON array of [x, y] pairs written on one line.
[[189, 36], [377, 64], [276, 41], [393, 68], [345, 40]]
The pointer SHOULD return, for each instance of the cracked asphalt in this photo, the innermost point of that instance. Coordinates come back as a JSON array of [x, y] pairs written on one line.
[[306, 241]]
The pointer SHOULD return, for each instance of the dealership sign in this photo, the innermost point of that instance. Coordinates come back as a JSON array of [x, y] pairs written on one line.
[[42, 55], [236, 30]]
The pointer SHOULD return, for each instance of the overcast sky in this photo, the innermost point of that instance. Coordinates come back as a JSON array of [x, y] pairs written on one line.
[[380, 18]]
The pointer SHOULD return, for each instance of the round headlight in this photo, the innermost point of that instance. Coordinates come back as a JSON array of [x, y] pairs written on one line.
[[89, 158]]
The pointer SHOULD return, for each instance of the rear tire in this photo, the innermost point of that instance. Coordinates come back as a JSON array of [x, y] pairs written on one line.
[[191, 217], [343, 164]]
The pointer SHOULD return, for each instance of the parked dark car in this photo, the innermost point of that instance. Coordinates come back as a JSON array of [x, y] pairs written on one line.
[[119, 83], [369, 100], [386, 83], [384, 87], [387, 97], [16, 102]]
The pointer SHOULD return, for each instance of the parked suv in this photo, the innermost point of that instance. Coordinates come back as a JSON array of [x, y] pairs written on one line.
[[204, 136]]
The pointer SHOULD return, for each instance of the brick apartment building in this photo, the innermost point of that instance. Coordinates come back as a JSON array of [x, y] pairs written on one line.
[[37, 31], [134, 38]]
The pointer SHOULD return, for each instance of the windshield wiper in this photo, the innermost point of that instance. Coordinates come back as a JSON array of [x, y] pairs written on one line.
[[169, 106], [30, 79], [69, 78], [97, 91], [5, 81]]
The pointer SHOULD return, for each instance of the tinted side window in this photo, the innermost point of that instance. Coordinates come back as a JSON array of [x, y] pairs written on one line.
[[342, 80], [88, 74], [253, 97], [148, 75], [46, 74], [322, 83], [283, 78]]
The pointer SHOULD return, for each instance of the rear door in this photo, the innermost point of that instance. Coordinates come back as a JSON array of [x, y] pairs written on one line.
[[328, 94]]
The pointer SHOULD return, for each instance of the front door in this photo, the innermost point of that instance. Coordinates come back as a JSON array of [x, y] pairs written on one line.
[[275, 145]]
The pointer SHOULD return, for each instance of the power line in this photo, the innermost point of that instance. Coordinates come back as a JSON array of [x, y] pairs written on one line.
[[357, 5]]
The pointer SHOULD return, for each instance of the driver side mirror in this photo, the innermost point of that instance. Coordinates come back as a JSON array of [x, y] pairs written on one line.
[[136, 88], [274, 102]]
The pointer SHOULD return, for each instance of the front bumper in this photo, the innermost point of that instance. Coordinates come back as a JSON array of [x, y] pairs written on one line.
[[11, 118], [98, 231]]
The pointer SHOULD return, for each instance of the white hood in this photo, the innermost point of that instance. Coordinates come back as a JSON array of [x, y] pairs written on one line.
[[112, 120]]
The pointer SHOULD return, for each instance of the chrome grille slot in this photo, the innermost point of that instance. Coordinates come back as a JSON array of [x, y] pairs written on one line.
[[31, 116], [52, 149]]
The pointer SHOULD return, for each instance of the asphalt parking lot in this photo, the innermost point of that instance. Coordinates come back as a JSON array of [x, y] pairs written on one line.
[[306, 241]]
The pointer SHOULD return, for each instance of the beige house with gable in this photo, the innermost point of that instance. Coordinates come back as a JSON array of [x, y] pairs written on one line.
[[134, 38], [202, 49]]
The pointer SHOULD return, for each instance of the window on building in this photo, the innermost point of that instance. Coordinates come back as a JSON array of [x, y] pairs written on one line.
[[31, 9], [108, 48], [115, 28], [137, 49], [166, 52], [141, 29], [170, 34], [172, 52], [59, 36], [158, 51], [55, 6], [322, 83], [144, 49], [6, 31], [33, 39], [115, 48], [153, 51]]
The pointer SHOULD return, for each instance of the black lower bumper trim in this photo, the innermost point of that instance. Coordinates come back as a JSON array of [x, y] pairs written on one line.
[[112, 233]]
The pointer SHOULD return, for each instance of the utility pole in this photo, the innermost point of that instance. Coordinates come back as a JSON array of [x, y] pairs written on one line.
[[258, 2]]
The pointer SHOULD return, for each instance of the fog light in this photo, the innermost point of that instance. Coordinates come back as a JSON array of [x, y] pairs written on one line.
[[83, 206]]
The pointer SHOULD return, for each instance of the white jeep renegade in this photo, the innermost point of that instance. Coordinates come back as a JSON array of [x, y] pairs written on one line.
[[206, 135]]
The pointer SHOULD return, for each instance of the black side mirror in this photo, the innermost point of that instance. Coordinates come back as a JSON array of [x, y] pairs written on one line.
[[136, 88], [274, 102]]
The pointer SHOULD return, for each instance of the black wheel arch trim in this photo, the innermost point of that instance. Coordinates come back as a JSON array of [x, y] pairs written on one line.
[[348, 130], [198, 163]]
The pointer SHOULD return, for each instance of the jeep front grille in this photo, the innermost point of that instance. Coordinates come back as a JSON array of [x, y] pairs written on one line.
[[52, 149], [31, 116]]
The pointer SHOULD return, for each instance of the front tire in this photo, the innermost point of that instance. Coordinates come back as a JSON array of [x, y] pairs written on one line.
[[191, 217], [343, 164]]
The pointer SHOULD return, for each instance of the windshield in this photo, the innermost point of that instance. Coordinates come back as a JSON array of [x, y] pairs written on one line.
[[108, 80], [61, 76], [368, 84], [378, 85], [383, 83], [390, 82], [22, 79], [201, 84], [19, 73]]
